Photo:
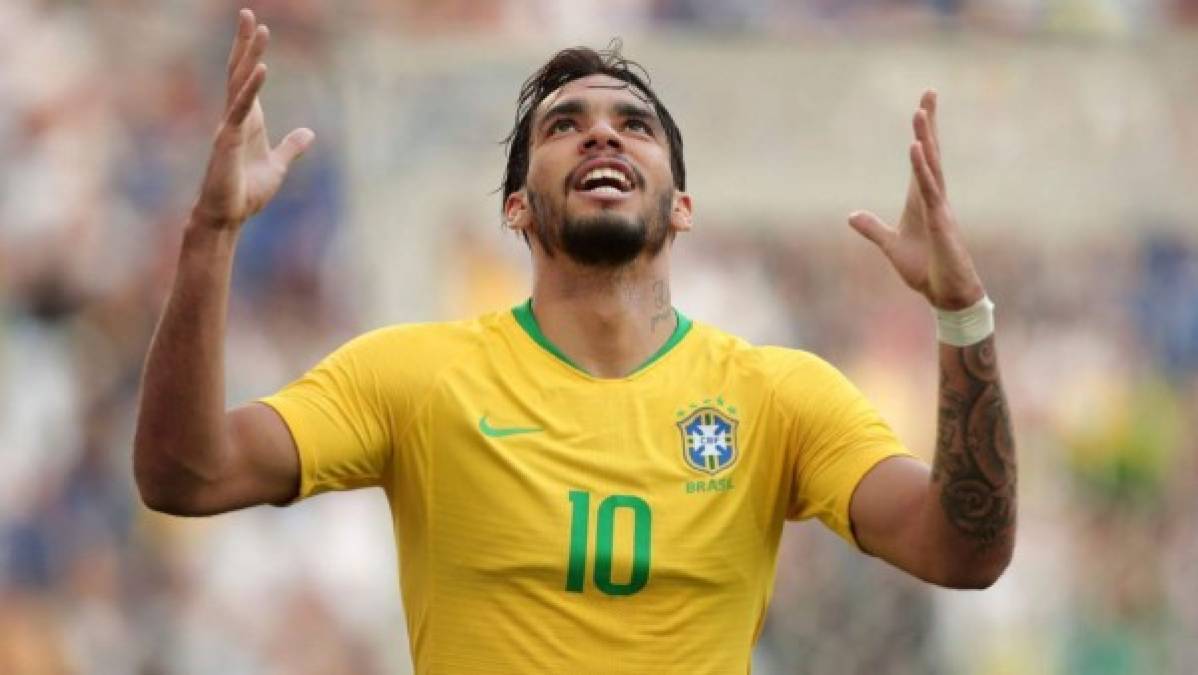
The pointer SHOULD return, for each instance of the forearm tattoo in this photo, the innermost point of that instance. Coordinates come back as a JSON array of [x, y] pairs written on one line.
[[975, 448]]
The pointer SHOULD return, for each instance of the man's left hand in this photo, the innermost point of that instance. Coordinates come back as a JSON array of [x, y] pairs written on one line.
[[926, 248]]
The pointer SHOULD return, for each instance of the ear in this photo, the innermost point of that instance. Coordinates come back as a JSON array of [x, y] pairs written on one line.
[[516, 212], [680, 212]]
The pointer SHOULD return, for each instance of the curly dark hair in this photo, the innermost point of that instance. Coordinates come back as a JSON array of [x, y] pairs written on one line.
[[569, 65]]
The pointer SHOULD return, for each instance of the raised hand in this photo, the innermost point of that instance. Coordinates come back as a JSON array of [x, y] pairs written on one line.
[[926, 248], [244, 172]]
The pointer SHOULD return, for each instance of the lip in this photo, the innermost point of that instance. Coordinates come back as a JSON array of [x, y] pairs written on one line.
[[603, 197], [603, 163]]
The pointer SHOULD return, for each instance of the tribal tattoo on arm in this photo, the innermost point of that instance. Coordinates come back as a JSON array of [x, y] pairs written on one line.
[[974, 467]]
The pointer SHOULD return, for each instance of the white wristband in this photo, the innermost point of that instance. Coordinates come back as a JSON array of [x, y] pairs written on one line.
[[968, 326]]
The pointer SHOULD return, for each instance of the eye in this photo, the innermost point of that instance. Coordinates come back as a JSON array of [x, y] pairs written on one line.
[[639, 125], [562, 125]]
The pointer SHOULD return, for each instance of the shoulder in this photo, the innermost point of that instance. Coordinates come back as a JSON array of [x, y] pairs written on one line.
[[448, 336], [417, 350], [799, 365], [772, 363], [793, 379]]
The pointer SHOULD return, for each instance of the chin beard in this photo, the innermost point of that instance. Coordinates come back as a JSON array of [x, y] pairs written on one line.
[[605, 240]]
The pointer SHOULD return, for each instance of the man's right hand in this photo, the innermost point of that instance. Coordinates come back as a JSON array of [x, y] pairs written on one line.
[[190, 456], [244, 172]]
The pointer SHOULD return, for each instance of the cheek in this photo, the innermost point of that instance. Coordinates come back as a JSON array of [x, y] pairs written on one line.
[[655, 162], [536, 175], [547, 167]]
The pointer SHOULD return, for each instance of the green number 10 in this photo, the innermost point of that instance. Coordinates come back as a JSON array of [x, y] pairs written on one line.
[[642, 542]]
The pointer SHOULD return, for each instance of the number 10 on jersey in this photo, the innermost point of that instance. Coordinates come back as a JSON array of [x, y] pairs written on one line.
[[605, 520]]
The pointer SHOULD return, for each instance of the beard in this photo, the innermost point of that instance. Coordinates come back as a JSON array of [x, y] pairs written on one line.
[[608, 239]]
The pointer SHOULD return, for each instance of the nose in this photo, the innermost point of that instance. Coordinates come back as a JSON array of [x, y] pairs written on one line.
[[599, 137]]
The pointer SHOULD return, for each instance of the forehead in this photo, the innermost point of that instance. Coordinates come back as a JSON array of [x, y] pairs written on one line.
[[594, 90]]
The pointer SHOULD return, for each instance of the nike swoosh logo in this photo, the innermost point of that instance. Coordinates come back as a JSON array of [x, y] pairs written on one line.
[[500, 432]]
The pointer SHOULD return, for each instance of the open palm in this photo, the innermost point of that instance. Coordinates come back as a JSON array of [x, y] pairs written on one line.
[[244, 172], [926, 248]]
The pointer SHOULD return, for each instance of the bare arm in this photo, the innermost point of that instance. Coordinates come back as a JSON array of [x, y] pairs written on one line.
[[190, 457], [955, 525]]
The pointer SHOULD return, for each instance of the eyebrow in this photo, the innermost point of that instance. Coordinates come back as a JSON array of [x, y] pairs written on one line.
[[577, 107], [569, 107], [632, 110]]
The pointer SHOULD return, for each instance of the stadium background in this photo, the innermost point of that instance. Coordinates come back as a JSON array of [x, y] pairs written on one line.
[[1071, 141]]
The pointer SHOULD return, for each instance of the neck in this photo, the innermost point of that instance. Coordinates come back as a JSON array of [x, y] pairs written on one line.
[[609, 322]]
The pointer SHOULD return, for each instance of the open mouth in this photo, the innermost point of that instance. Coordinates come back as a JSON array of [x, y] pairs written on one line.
[[605, 180]]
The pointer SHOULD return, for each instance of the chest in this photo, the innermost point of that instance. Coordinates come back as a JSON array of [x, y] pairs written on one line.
[[619, 490]]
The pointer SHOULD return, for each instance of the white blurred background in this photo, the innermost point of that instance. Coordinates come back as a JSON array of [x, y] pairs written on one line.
[[1071, 140]]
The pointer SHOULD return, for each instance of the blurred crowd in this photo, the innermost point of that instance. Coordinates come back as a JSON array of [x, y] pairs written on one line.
[[102, 140], [791, 17]]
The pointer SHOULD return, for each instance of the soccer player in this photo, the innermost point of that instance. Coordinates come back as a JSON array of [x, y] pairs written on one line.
[[590, 481]]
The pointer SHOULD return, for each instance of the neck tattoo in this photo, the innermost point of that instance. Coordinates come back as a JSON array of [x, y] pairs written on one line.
[[661, 300]]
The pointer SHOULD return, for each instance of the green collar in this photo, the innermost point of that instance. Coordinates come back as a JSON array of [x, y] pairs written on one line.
[[524, 317]]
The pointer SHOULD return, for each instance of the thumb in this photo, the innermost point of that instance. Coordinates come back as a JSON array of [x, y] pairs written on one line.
[[872, 228], [294, 145]]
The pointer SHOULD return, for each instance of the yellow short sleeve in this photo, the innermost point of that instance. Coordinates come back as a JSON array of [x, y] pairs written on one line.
[[340, 420], [836, 437]]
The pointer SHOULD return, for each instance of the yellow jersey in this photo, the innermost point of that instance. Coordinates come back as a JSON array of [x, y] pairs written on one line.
[[548, 521]]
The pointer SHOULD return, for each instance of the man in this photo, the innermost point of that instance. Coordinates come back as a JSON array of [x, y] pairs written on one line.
[[590, 481]]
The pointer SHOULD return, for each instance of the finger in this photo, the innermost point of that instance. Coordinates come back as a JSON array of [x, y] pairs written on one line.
[[293, 145], [872, 228], [928, 188], [929, 102], [245, 31], [244, 101], [250, 59], [923, 133]]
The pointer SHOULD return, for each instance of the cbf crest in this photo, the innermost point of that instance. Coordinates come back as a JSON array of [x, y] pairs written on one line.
[[709, 436]]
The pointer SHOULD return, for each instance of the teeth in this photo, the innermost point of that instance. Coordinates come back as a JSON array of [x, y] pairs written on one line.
[[605, 172], [606, 190]]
